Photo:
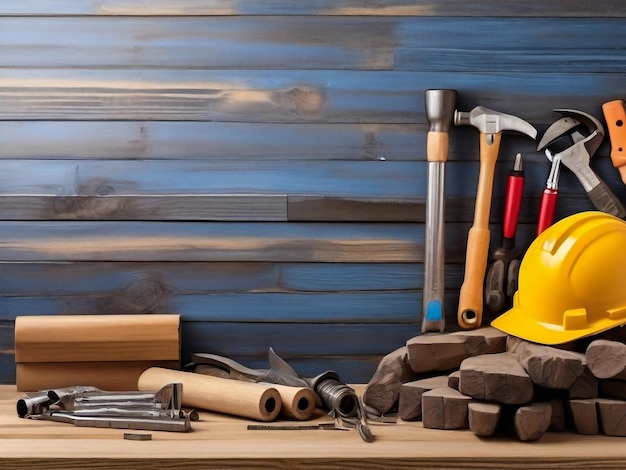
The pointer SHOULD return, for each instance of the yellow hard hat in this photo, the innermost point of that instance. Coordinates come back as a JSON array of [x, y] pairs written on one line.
[[571, 281]]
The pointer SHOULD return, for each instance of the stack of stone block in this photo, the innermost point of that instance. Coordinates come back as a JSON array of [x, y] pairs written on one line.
[[496, 384]]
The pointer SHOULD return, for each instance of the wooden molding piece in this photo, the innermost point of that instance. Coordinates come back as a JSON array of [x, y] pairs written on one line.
[[383, 389], [585, 386], [612, 416], [444, 408], [484, 417], [95, 338], [532, 421], [111, 376], [599, 415], [607, 359], [585, 416], [615, 389], [496, 377], [444, 352], [547, 366], [410, 401], [453, 379]]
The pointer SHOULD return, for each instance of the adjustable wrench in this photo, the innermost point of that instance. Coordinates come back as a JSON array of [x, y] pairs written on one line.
[[577, 157]]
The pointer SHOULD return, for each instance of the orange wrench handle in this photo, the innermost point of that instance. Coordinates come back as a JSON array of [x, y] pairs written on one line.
[[615, 116]]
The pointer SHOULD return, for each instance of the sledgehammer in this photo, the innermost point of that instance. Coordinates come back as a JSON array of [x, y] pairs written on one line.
[[440, 106], [490, 124]]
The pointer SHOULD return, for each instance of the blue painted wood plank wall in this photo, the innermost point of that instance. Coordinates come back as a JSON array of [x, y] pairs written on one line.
[[259, 167]]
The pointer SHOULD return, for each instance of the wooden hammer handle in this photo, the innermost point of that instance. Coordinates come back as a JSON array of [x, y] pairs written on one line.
[[437, 144], [471, 295]]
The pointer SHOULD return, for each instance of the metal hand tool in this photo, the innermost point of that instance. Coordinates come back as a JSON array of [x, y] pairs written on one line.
[[295, 427], [490, 124], [126, 422], [342, 401], [615, 116], [577, 157], [501, 277], [440, 106], [90, 406], [276, 374]]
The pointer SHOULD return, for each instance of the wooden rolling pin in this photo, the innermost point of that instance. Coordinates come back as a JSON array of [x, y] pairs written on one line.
[[246, 399]]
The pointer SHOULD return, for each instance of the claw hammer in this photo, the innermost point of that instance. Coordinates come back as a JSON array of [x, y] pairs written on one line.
[[490, 124], [440, 105]]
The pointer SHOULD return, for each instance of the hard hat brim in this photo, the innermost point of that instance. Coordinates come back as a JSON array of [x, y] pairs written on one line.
[[515, 322]]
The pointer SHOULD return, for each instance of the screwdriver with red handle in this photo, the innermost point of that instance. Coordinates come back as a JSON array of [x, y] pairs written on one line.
[[550, 194], [501, 277], [513, 200]]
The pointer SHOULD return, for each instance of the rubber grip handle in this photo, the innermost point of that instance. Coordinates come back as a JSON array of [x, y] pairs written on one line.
[[547, 208], [494, 286], [604, 200], [471, 296], [433, 317], [513, 203]]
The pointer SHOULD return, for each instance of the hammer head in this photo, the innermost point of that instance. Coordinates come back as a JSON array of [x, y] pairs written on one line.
[[440, 106], [488, 121]]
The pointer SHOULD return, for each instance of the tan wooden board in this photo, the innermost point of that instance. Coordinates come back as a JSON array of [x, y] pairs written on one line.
[[220, 441]]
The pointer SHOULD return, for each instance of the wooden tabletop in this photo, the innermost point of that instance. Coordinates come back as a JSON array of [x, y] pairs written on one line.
[[219, 441]]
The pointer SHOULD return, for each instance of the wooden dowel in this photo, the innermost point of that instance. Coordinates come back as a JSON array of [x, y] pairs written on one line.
[[247, 399], [296, 402]]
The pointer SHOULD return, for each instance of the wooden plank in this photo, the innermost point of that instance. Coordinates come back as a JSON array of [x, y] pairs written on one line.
[[67, 279], [331, 178], [265, 208], [274, 96], [350, 187], [314, 42], [214, 141], [339, 308], [523, 45], [228, 141], [234, 242], [310, 208], [201, 42], [218, 95], [530, 8], [511, 60], [220, 207], [188, 241], [223, 241], [50, 178], [323, 340]]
